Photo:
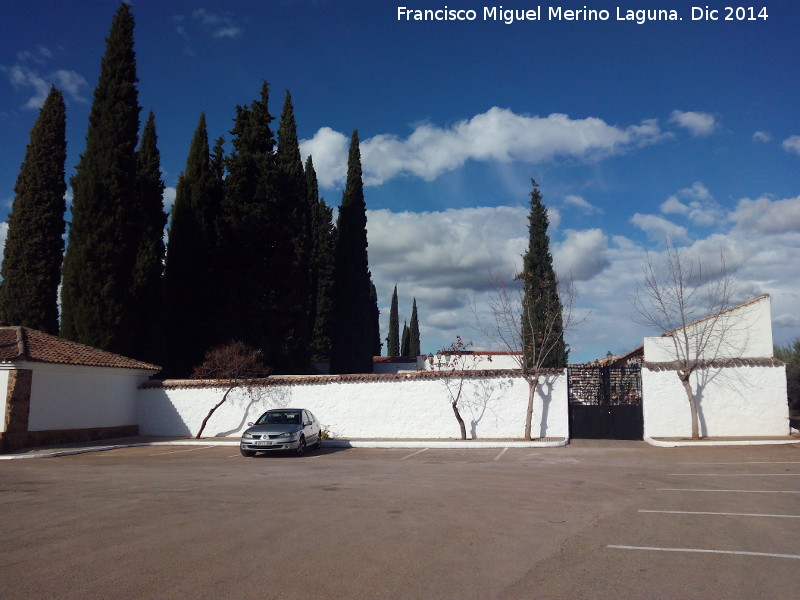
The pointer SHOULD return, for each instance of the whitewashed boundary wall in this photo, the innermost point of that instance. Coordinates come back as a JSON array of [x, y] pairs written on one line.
[[735, 398], [414, 405]]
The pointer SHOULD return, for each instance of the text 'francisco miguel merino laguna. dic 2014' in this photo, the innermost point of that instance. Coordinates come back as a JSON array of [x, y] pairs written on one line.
[[558, 13]]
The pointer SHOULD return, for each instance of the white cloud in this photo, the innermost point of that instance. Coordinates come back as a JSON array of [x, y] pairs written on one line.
[[582, 255], [765, 215], [697, 123], [660, 229], [498, 135], [762, 136], [696, 203], [580, 202], [169, 198], [23, 78], [220, 25], [792, 144]]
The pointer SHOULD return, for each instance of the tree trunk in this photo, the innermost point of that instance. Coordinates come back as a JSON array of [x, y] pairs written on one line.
[[211, 412], [460, 421], [687, 386], [532, 383]]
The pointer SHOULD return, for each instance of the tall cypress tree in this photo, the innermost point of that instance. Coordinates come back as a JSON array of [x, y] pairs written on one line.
[[405, 343], [34, 244], [323, 242], [542, 324], [393, 339], [413, 331], [352, 335], [189, 276], [373, 321], [146, 297], [291, 217], [104, 233]]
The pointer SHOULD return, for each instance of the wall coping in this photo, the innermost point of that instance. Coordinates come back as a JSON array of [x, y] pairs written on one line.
[[715, 363], [291, 380]]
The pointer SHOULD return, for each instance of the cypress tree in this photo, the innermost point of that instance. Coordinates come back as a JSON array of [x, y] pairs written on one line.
[[34, 245], [104, 233], [292, 270], [189, 278], [393, 339], [405, 344], [542, 324], [373, 322], [146, 282], [324, 240], [413, 331], [352, 336]]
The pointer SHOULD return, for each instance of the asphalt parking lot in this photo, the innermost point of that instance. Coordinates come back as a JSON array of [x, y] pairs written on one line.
[[590, 520]]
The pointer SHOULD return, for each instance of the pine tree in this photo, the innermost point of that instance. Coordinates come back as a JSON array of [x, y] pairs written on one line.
[[104, 233], [324, 240], [146, 297], [352, 336], [292, 214], [34, 245], [189, 279], [405, 344], [542, 325], [413, 331], [393, 339]]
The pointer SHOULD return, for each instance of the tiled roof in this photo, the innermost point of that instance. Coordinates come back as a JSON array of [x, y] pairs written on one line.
[[716, 363], [24, 344]]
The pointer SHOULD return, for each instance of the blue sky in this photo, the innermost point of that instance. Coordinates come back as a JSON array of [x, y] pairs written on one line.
[[635, 132]]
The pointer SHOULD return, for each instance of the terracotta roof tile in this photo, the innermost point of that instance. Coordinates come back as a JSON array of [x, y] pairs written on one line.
[[25, 344]]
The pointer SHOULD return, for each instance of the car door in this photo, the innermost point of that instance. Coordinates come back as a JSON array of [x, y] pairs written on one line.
[[311, 427]]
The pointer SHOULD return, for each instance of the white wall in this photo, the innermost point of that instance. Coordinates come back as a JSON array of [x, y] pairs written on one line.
[[747, 333], [75, 397], [376, 407], [732, 401], [3, 398]]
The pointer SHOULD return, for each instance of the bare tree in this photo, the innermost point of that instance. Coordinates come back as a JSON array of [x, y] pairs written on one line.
[[512, 326], [235, 365], [691, 308], [453, 364]]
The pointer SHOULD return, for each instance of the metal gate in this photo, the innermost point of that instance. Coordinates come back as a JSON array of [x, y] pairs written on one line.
[[605, 402]]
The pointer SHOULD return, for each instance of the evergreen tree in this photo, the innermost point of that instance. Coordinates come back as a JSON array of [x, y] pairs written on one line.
[[292, 216], [413, 331], [374, 321], [542, 324], [405, 344], [393, 339], [34, 245], [104, 236], [146, 281], [189, 276], [352, 336], [324, 240]]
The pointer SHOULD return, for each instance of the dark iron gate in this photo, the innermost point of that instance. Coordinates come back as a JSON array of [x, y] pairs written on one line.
[[605, 402]]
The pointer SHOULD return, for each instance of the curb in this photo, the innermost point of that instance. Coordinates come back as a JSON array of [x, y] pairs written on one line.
[[696, 443]]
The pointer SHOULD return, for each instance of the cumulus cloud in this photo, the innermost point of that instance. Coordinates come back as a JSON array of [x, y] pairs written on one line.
[[792, 144], [26, 79], [697, 123], [659, 228], [498, 135], [169, 198], [695, 203], [582, 255], [762, 136], [765, 215]]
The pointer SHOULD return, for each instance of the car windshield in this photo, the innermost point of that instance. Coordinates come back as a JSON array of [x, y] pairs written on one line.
[[283, 417]]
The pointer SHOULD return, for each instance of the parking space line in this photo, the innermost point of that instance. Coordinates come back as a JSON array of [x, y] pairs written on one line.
[[176, 451], [706, 551], [729, 491], [721, 514], [503, 451], [414, 453]]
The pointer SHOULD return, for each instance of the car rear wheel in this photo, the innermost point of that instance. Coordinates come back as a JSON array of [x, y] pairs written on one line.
[[247, 453], [318, 444], [301, 446]]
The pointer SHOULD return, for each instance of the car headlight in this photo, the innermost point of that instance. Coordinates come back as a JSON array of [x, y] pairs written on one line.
[[247, 435], [287, 434]]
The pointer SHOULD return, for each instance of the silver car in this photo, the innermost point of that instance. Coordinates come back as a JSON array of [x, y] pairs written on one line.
[[282, 429]]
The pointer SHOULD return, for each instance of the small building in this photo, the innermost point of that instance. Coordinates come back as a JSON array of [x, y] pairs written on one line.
[[58, 391]]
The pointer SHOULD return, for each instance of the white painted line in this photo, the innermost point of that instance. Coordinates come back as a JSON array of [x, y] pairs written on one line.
[[176, 451], [414, 454], [719, 514], [735, 474], [730, 491], [503, 451], [705, 551]]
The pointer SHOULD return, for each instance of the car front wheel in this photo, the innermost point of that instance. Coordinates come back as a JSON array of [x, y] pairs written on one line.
[[301, 446], [247, 453]]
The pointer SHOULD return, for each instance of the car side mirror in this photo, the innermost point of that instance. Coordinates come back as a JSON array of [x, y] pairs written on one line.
[[307, 423], [250, 424]]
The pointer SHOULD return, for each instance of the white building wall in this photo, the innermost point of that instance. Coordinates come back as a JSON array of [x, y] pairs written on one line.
[[747, 334], [3, 398], [76, 397], [732, 401], [492, 407]]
